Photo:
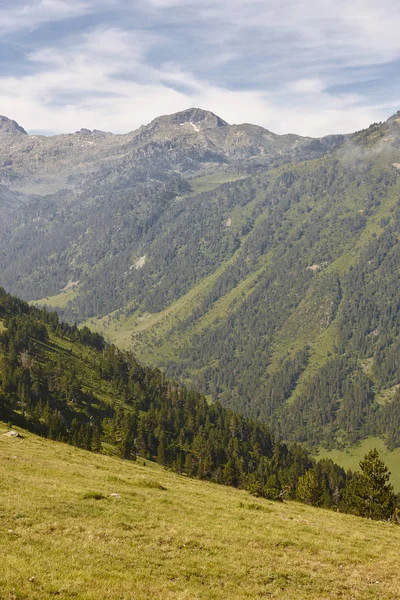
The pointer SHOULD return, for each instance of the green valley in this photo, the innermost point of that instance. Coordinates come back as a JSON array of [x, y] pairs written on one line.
[[199, 300], [259, 269]]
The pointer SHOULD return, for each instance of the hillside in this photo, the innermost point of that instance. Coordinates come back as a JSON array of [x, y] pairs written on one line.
[[79, 525], [66, 384], [261, 269]]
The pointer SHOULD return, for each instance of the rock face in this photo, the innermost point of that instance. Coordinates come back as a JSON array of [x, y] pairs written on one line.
[[13, 434], [196, 117], [9, 127]]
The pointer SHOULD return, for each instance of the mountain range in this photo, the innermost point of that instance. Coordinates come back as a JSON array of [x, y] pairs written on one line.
[[262, 269]]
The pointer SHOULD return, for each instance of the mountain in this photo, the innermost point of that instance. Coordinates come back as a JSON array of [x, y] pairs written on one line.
[[261, 269], [188, 142], [10, 128]]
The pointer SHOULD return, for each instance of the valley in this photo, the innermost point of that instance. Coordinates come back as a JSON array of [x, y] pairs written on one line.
[[228, 256], [199, 300]]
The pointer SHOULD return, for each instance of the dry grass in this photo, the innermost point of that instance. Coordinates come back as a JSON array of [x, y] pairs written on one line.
[[64, 535]]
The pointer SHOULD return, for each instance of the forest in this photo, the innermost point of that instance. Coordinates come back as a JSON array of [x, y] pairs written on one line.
[[266, 280], [67, 384]]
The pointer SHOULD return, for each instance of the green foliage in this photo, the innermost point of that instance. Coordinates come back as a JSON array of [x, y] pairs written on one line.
[[260, 269], [309, 489], [68, 385], [369, 493]]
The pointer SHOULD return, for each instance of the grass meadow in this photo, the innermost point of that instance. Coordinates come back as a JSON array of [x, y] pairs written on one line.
[[350, 457], [75, 525]]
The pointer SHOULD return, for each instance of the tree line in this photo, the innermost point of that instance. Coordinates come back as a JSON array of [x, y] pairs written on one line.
[[67, 384]]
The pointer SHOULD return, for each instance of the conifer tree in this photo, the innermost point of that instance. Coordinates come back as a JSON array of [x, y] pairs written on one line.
[[369, 493], [309, 489]]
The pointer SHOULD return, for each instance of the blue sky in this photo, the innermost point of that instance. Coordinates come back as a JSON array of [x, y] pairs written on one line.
[[311, 67]]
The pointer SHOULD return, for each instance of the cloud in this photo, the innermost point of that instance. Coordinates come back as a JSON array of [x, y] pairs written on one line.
[[30, 15], [369, 27], [287, 66], [101, 82]]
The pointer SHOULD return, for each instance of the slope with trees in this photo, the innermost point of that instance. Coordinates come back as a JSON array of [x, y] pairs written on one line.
[[271, 289], [67, 384]]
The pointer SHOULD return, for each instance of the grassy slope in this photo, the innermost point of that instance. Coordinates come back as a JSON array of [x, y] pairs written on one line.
[[350, 457], [59, 301], [208, 182], [56, 348], [170, 537]]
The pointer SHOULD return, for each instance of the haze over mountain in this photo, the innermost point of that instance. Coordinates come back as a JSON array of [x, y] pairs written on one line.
[[261, 268]]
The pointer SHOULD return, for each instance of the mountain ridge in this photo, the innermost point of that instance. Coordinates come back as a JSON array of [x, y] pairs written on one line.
[[10, 127], [168, 143], [231, 264]]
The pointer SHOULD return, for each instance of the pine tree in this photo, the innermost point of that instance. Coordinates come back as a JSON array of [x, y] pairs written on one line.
[[309, 489], [231, 473], [369, 493], [162, 449], [96, 439]]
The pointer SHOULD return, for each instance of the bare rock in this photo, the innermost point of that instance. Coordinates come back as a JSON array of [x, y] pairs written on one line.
[[13, 433]]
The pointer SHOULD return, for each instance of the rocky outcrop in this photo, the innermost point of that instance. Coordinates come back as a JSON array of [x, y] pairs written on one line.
[[9, 127]]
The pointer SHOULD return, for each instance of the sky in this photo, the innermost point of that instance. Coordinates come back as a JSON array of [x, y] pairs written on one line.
[[309, 67]]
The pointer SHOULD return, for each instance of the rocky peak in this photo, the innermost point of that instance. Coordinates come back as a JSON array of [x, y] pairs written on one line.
[[84, 131], [202, 118], [92, 133], [196, 118], [9, 127], [395, 117]]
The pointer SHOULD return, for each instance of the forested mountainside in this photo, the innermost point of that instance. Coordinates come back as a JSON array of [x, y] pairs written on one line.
[[68, 384], [118, 202], [263, 269]]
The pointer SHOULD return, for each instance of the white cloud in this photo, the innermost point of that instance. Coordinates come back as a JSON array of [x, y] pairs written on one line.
[[286, 56], [30, 15], [307, 86], [86, 85], [104, 78], [357, 32]]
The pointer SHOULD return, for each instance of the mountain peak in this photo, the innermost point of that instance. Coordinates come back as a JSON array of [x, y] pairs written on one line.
[[198, 118], [394, 118], [93, 133], [9, 127], [396, 114]]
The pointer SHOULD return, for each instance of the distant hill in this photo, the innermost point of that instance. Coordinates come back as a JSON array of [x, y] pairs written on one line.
[[261, 269]]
